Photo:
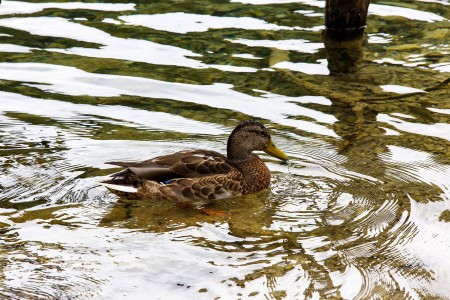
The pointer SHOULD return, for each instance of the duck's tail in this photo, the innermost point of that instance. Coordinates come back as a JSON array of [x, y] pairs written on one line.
[[131, 188], [121, 189], [118, 187]]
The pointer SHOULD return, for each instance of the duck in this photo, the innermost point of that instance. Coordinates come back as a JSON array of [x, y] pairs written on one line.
[[195, 178]]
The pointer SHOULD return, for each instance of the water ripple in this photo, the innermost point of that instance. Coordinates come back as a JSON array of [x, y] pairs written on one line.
[[358, 213]]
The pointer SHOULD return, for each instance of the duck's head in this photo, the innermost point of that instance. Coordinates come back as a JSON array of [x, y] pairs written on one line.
[[251, 136]]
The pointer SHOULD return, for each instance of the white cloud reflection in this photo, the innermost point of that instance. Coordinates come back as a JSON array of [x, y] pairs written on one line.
[[111, 47], [19, 7], [72, 81], [298, 45], [181, 22]]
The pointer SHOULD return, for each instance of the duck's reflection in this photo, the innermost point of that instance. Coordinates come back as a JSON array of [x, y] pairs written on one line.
[[246, 215]]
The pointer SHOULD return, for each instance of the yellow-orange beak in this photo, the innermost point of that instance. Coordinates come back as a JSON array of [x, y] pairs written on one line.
[[275, 152]]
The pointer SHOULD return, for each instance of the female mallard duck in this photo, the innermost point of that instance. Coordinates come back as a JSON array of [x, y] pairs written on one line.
[[195, 177]]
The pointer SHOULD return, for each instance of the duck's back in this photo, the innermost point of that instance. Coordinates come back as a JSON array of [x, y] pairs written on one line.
[[183, 164]]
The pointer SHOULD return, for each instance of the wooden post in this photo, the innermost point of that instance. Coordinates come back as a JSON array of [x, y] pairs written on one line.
[[346, 14], [345, 21]]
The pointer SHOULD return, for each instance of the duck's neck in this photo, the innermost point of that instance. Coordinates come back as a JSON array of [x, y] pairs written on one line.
[[238, 155], [235, 153], [255, 173]]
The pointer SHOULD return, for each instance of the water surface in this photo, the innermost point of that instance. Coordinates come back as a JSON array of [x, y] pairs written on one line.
[[361, 212]]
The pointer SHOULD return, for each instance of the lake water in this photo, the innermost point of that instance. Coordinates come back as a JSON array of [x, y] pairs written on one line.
[[361, 212]]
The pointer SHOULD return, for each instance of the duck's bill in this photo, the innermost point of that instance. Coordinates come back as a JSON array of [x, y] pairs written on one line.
[[275, 152]]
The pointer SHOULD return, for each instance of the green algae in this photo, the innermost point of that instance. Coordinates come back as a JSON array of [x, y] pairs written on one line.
[[271, 236], [445, 216]]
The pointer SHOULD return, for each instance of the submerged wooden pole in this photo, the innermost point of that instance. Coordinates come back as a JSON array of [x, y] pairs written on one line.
[[345, 21]]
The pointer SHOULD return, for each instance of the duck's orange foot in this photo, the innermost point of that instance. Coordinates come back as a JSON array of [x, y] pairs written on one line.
[[214, 212]]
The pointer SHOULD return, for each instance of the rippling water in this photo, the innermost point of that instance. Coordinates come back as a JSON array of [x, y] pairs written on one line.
[[361, 212]]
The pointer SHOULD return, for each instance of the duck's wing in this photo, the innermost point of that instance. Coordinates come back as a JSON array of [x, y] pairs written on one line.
[[183, 164], [197, 192]]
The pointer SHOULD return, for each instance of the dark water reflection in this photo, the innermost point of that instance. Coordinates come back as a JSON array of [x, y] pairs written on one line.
[[361, 211]]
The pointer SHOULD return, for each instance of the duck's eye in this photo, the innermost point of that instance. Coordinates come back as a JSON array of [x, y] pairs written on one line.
[[261, 133]]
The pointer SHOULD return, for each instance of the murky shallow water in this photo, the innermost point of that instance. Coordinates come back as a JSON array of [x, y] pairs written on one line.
[[361, 212]]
